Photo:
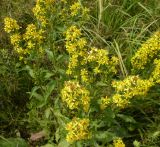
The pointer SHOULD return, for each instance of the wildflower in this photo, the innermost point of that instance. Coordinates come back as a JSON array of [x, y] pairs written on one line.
[[78, 130], [74, 95], [84, 75], [81, 43], [104, 102], [120, 101], [81, 56], [156, 72], [10, 25], [147, 51], [96, 70], [40, 12], [118, 143], [73, 61], [85, 12], [98, 55], [132, 86], [21, 51], [21, 58], [30, 44], [15, 39], [33, 34], [113, 64], [75, 8], [73, 33], [71, 47], [128, 88]]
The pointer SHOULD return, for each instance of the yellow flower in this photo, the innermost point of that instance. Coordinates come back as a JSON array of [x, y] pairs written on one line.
[[21, 58], [128, 88], [96, 70], [120, 101], [15, 39], [30, 44], [81, 43], [33, 34], [75, 8], [21, 51], [85, 12], [81, 55], [118, 143], [71, 47], [104, 102], [84, 75], [156, 72], [40, 12], [75, 96], [78, 130], [132, 86], [73, 61], [113, 64], [147, 51], [73, 33], [10, 25], [98, 55]]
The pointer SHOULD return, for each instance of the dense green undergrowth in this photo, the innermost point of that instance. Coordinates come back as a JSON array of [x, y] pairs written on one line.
[[80, 73]]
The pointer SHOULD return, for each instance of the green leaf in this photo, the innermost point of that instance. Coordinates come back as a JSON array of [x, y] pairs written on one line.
[[101, 84], [31, 72], [136, 143], [49, 145], [50, 54], [48, 75], [13, 142], [104, 136], [63, 143], [47, 112], [57, 135], [33, 93], [50, 87], [126, 118]]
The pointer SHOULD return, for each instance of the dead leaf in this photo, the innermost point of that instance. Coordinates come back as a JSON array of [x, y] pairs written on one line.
[[37, 136]]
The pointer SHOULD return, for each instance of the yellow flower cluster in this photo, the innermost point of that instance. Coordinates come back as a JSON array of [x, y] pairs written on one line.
[[23, 43], [120, 101], [156, 72], [15, 39], [146, 52], [98, 55], [33, 36], [72, 34], [74, 95], [40, 10], [128, 88], [84, 75], [10, 25], [82, 57], [132, 86], [104, 102], [75, 47], [75, 8], [118, 143], [78, 130]]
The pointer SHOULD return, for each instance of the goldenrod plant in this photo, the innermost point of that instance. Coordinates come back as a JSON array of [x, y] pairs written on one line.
[[81, 73]]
